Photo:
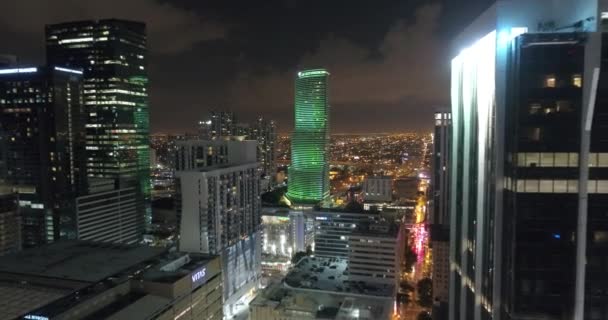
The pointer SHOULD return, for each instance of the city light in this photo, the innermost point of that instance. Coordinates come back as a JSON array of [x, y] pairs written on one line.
[[18, 70]]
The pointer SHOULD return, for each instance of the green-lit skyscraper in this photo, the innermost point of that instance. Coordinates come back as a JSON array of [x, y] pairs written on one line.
[[112, 55], [309, 170]]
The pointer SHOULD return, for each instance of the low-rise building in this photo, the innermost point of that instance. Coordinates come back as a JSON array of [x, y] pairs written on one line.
[[278, 302], [93, 280]]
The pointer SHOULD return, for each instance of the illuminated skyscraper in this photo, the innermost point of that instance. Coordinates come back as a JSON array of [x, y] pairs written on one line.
[[309, 170], [440, 213], [112, 55], [529, 163], [42, 142]]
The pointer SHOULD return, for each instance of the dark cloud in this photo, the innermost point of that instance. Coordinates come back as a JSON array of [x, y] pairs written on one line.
[[171, 29], [387, 57]]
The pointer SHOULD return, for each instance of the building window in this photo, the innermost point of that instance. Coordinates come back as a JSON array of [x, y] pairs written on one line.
[[535, 108], [577, 80], [600, 236], [550, 81]]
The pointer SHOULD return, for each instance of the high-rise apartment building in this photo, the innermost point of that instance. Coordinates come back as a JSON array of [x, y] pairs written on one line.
[[112, 54], [264, 131], [528, 163], [219, 124], [440, 212], [309, 169], [220, 211], [41, 135]]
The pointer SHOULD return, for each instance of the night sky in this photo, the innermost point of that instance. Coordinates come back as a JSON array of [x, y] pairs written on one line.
[[388, 60]]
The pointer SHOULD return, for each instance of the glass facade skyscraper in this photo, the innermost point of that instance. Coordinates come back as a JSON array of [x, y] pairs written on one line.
[[309, 170], [529, 187], [112, 54], [42, 140]]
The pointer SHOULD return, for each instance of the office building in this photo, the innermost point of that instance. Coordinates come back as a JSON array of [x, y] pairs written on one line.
[[376, 252], [441, 162], [378, 188], [113, 56], [440, 214], [309, 169], [220, 210], [333, 228], [528, 188], [92, 280], [10, 221], [108, 214], [41, 136]]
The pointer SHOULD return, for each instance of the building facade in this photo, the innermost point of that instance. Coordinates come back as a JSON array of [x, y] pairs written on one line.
[[108, 214], [113, 57], [440, 212], [264, 131], [10, 221], [73, 280], [376, 252], [42, 147], [220, 210], [309, 169], [527, 184], [333, 229], [378, 188]]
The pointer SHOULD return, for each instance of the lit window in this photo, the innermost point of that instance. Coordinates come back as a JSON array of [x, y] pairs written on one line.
[[535, 108], [593, 159], [602, 160], [550, 81], [600, 236], [573, 160], [532, 159], [531, 186], [577, 80], [546, 186], [560, 186], [561, 159], [546, 159], [602, 186]]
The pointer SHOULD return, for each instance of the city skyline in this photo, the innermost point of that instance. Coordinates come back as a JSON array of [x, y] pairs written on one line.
[[224, 65]]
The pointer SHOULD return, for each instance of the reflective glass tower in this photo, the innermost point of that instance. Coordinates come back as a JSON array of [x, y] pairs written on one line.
[[112, 55], [308, 173], [529, 163], [41, 148]]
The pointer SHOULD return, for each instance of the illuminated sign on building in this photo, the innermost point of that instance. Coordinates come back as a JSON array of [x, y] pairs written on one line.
[[198, 277], [35, 317]]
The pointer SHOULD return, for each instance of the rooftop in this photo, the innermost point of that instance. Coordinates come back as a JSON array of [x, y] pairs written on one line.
[[78, 260], [176, 266], [381, 229], [323, 305], [331, 275]]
